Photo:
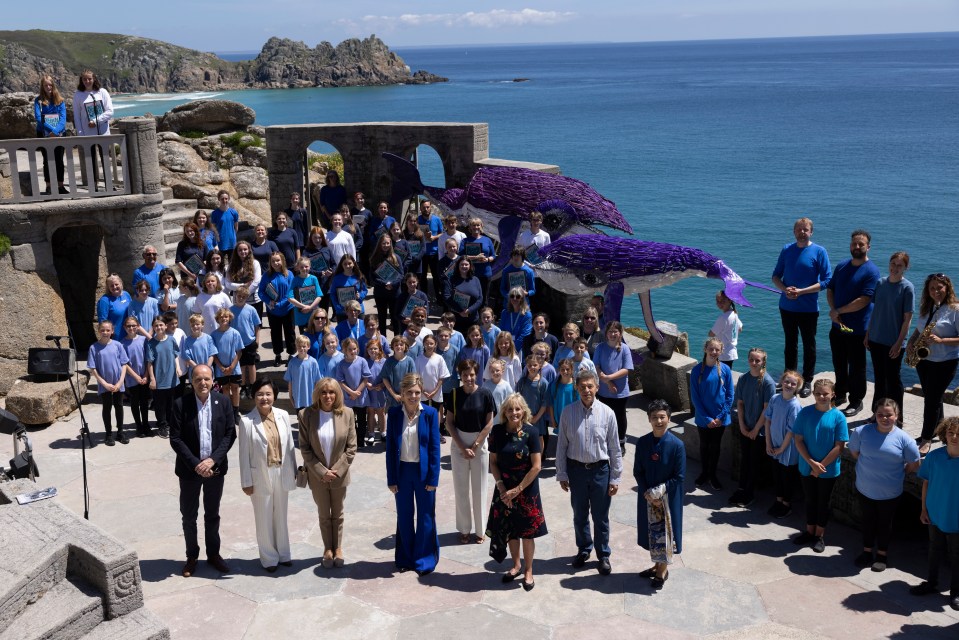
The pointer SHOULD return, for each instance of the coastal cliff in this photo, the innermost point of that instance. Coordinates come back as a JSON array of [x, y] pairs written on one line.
[[129, 64]]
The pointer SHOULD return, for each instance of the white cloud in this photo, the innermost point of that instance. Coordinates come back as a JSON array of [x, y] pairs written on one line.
[[492, 19]]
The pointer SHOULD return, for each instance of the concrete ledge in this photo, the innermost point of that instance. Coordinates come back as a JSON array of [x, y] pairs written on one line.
[[667, 379], [36, 403], [518, 164]]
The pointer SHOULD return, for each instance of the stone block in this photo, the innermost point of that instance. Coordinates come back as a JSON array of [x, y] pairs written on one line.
[[666, 379], [30, 309], [27, 257], [10, 370], [38, 403]]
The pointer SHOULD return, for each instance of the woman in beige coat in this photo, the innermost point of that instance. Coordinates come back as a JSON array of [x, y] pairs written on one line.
[[268, 473], [328, 445]]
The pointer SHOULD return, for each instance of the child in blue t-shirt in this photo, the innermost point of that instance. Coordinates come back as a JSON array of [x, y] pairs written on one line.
[[302, 374], [353, 374], [395, 367], [780, 415], [488, 328], [163, 369], [108, 361], [246, 321], [227, 221], [137, 383], [535, 391], [331, 355], [562, 392], [940, 495], [376, 394], [229, 346]]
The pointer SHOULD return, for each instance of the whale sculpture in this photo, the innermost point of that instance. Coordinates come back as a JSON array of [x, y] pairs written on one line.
[[625, 266], [504, 197]]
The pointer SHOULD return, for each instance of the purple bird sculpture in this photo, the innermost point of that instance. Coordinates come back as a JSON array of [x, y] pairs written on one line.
[[504, 197]]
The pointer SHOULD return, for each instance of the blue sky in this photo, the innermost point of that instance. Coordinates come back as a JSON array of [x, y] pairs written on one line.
[[244, 25]]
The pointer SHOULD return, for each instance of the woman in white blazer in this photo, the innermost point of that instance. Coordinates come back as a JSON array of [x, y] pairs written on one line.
[[268, 473], [328, 445]]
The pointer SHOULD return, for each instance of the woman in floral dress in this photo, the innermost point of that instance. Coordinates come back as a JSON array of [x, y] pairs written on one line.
[[516, 512]]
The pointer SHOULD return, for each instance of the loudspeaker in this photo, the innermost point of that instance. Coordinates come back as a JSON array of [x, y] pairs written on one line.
[[51, 362]]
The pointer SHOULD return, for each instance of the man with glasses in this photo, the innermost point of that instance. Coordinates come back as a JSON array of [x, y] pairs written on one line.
[[202, 431], [589, 464], [149, 270]]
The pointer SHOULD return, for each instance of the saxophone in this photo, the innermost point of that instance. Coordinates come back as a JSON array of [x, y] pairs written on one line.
[[919, 349]]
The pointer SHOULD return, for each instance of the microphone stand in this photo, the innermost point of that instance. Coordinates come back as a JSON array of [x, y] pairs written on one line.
[[84, 427]]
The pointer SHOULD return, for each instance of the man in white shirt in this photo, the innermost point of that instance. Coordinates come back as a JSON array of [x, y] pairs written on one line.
[[589, 464], [202, 431]]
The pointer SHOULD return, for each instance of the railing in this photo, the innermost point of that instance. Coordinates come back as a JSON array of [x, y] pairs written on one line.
[[83, 160]]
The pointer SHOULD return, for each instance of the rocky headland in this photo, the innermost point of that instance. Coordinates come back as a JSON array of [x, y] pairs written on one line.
[[129, 64]]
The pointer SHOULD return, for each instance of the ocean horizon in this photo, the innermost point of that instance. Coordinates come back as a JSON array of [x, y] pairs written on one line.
[[717, 144]]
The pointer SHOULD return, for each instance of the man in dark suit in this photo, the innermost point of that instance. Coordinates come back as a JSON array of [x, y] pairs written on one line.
[[201, 432]]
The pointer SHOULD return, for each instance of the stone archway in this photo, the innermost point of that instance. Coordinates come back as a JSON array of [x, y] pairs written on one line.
[[79, 259]]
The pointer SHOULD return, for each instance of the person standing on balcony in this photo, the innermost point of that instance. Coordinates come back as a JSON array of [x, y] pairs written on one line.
[[92, 112], [50, 112]]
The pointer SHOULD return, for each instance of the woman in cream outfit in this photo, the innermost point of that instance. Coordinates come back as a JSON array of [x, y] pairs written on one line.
[[268, 473], [328, 445]]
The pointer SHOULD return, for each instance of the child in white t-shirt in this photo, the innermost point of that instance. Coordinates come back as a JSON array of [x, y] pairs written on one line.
[[727, 328]]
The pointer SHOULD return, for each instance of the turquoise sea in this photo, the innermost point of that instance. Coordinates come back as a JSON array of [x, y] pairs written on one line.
[[719, 145]]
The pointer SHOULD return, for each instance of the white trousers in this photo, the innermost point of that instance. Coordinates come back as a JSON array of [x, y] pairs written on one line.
[[470, 480], [269, 514]]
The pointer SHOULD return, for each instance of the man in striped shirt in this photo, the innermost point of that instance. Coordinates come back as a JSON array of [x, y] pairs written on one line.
[[589, 464]]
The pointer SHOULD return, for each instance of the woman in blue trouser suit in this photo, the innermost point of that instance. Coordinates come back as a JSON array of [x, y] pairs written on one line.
[[412, 473]]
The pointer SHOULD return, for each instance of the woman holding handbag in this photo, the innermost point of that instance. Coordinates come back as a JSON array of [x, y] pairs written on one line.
[[328, 445], [267, 473]]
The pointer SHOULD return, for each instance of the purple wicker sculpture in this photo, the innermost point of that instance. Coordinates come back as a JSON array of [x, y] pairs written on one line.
[[503, 197], [578, 263]]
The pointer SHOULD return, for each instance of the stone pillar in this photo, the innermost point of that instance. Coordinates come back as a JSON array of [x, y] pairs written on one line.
[[143, 170], [284, 160]]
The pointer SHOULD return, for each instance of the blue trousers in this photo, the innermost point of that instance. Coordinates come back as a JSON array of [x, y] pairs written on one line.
[[589, 495], [416, 548]]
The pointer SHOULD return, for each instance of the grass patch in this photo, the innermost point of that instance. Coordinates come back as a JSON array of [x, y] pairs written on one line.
[[240, 140], [333, 160], [4, 245], [193, 134]]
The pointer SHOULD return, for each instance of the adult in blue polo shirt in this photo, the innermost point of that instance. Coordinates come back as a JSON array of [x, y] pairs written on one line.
[[149, 270], [227, 221], [430, 262], [850, 294], [801, 272]]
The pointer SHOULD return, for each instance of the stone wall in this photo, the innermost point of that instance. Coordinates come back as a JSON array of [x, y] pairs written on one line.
[[31, 288]]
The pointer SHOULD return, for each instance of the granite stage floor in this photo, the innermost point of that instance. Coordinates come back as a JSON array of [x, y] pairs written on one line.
[[739, 575]]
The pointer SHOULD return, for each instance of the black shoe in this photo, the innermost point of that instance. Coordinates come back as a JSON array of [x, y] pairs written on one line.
[[657, 582], [838, 400], [109, 440], [580, 559], [277, 361], [864, 559], [924, 588], [218, 563], [124, 439], [775, 509], [701, 479], [286, 563], [737, 498], [786, 510], [803, 538], [852, 410], [805, 391], [163, 432], [604, 567], [881, 563], [509, 576], [270, 569], [715, 484], [820, 545], [528, 586]]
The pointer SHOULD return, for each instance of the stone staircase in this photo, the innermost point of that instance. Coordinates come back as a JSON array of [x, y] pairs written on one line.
[[64, 579], [176, 211]]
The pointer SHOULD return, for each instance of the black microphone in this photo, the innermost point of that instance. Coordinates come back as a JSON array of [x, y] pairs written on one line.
[[55, 338]]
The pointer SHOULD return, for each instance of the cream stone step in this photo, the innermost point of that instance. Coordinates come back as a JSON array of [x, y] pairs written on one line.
[[66, 612]]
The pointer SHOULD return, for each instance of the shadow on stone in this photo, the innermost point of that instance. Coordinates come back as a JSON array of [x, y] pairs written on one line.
[[768, 547], [819, 565], [162, 568]]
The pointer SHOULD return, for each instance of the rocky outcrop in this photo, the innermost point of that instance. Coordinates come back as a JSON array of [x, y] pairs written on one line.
[[208, 116], [130, 64]]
